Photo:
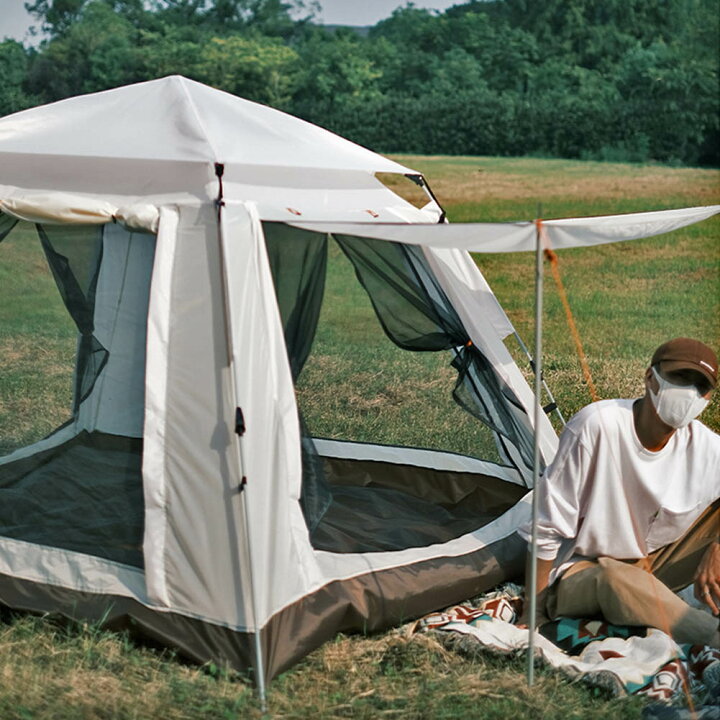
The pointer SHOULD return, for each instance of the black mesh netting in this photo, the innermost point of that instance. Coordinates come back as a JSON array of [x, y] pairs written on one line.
[[84, 494], [298, 261], [74, 255], [7, 223], [416, 315]]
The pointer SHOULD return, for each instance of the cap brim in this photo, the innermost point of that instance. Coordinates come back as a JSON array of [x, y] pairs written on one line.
[[688, 365]]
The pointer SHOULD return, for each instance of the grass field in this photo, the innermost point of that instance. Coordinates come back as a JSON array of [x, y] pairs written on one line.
[[627, 298]]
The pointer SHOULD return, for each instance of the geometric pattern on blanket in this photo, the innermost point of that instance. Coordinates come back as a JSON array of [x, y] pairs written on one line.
[[622, 659], [573, 634]]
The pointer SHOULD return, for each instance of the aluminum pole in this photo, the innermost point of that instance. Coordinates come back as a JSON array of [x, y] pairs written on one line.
[[241, 490], [531, 592], [548, 392]]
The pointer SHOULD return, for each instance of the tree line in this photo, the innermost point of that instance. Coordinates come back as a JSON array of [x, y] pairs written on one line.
[[630, 80]]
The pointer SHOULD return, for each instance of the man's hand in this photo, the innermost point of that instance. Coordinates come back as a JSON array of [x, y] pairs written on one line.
[[707, 579]]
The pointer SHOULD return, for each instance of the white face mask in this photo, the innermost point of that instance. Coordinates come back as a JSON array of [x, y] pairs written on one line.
[[677, 405]]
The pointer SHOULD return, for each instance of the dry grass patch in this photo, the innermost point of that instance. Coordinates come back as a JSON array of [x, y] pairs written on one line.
[[473, 179], [77, 672], [399, 675]]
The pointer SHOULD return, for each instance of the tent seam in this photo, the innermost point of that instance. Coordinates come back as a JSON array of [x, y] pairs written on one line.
[[198, 119]]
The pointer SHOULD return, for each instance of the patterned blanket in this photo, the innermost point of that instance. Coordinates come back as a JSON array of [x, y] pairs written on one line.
[[623, 660]]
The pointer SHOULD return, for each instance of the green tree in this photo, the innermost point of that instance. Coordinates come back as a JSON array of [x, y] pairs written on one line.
[[13, 69], [96, 52], [333, 66], [258, 69], [669, 99]]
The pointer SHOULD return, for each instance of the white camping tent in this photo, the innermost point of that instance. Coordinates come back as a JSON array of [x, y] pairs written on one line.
[[183, 498]]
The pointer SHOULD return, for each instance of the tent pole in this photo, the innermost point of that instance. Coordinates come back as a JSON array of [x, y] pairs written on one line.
[[548, 392], [239, 432], [531, 592], [259, 662]]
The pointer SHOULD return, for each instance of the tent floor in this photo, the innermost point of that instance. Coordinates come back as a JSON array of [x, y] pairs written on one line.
[[84, 495], [380, 507]]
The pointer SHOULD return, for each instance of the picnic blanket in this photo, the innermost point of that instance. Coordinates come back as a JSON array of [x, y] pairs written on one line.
[[623, 660]]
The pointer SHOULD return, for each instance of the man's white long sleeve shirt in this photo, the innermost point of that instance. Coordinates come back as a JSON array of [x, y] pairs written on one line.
[[604, 494]]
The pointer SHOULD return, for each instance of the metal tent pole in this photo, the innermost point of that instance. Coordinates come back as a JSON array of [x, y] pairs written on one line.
[[548, 392], [531, 592], [239, 432], [259, 661]]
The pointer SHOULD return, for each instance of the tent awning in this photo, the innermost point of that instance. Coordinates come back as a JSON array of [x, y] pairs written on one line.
[[474, 237], [521, 236]]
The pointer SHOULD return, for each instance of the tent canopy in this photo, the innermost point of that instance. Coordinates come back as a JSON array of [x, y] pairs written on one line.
[[162, 139]]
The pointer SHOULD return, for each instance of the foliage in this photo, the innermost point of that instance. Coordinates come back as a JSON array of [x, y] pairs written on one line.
[[605, 79], [13, 70]]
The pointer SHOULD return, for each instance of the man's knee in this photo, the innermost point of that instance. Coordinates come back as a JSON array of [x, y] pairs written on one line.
[[622, 589], [617, 576]]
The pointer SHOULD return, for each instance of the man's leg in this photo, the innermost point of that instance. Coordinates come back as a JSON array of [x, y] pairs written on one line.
[[625, 594]]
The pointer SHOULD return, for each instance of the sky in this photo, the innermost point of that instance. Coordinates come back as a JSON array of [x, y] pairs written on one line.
[[15, 21]]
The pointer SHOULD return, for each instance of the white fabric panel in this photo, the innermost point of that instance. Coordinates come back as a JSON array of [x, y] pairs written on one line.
[[116, 404], [452, 269], [193, 559], [475, 237], [360, 198], [576, 232], [417, 457], [467, 273], [64, 568], [246, 134], [521, 237], [265, 392], [156, 383]]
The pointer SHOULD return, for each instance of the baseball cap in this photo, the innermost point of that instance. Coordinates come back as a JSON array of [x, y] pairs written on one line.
[[686, 353]]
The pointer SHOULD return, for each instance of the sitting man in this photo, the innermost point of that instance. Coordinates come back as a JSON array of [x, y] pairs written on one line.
[[629, 509]]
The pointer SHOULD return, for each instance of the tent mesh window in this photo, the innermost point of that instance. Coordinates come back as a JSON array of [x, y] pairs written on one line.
[[380, 357], [80, 486]]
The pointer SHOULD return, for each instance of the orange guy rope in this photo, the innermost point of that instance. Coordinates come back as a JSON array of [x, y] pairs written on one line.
[[555, 268]]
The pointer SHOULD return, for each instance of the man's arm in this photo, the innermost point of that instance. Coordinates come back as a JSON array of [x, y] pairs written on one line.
[[707, 578], [543, 568]]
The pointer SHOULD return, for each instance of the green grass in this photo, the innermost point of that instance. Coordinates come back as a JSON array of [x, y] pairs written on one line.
[[626, 298], [358, 385], [37, 344]]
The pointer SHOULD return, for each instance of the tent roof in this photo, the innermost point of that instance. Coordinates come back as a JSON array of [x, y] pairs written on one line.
[[165, 136]]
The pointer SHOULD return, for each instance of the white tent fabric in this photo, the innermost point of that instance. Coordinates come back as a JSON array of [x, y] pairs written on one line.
[[168, 153], [521, 236]]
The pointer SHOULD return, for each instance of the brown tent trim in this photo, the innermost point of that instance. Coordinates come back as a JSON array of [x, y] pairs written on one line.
[[366, 603], [193, 639], [386, 598]]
